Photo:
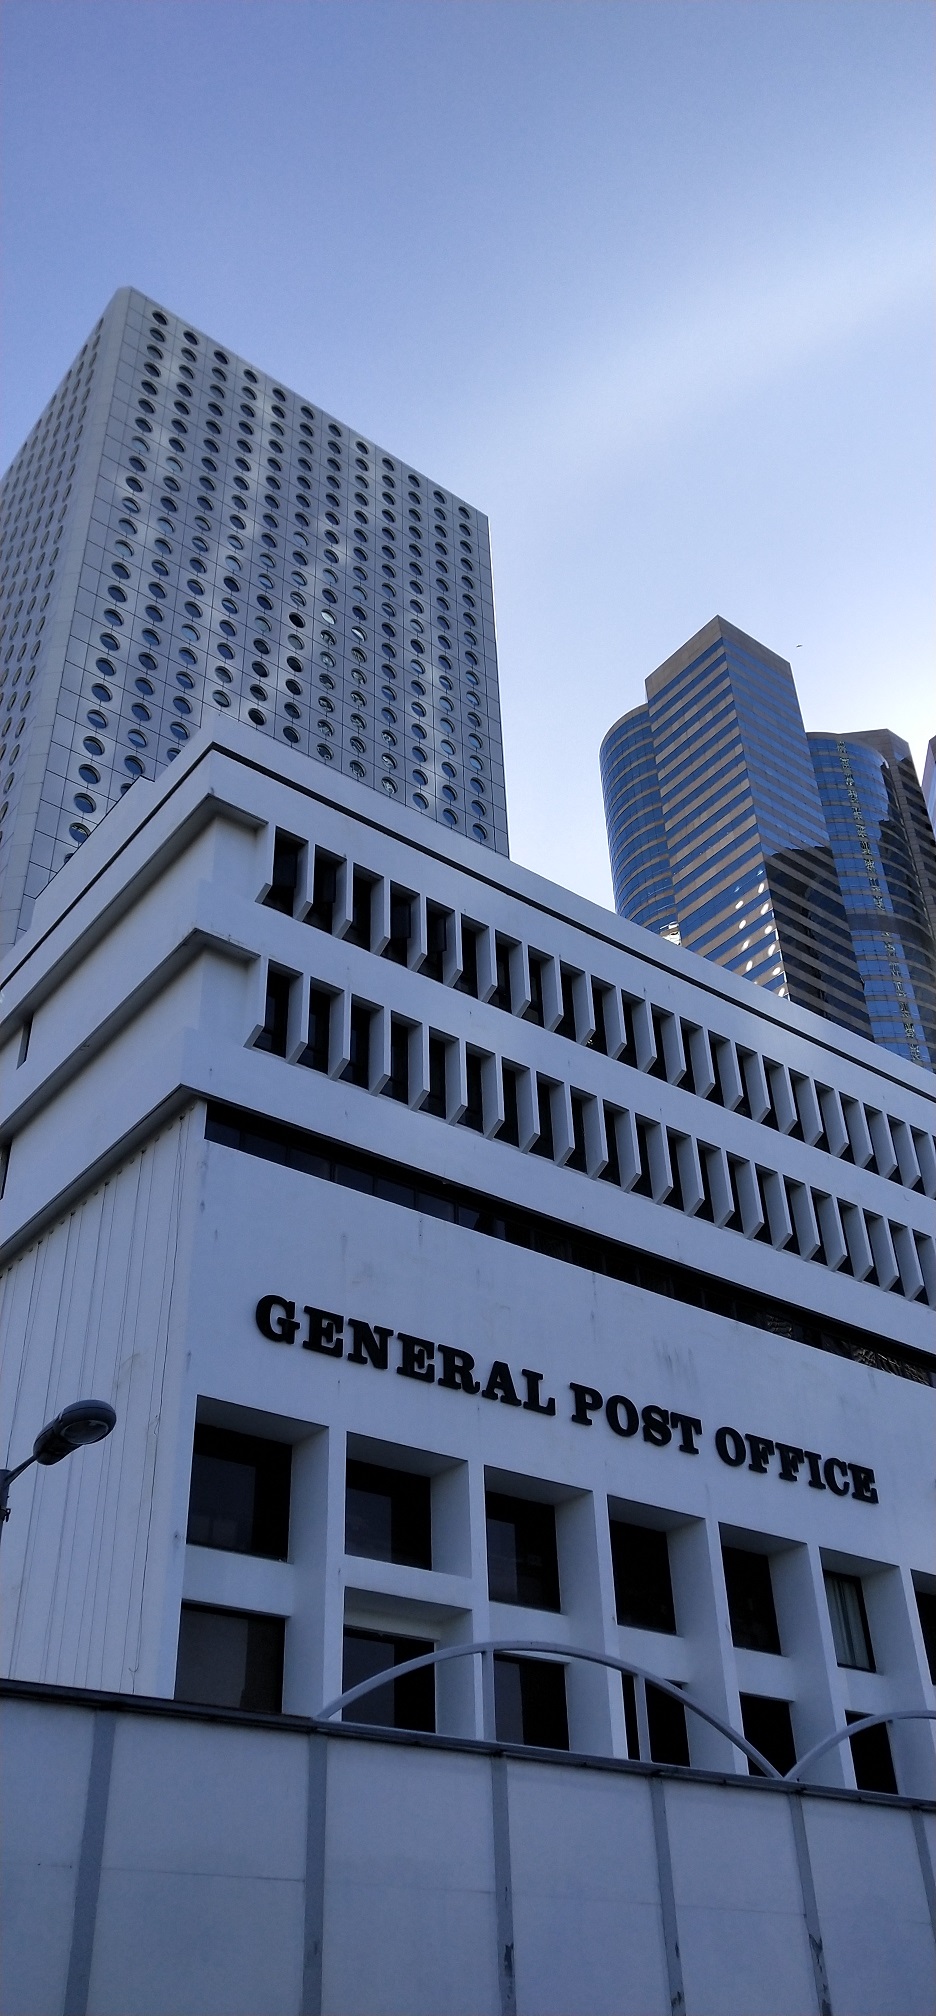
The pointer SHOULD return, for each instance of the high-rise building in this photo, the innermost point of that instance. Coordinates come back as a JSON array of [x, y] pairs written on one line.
[[885, 855], [929, 781], [182, 535], [716, 825]]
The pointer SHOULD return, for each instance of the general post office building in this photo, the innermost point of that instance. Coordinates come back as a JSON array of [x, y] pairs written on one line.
[[491, 1291]]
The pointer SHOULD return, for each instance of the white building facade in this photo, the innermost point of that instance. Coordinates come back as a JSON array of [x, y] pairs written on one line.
[[468, 1268]]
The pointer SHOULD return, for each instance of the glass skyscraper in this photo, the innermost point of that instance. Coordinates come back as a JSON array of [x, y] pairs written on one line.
[[886, 859], [716, 825], [182, 534]]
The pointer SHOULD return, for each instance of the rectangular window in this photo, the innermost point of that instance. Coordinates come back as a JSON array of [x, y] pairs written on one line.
[[397, 1086], [750, 1600], [437, 922], [473, 1115], [239, 1493], [467, 982], [599, 1040], [287, 853], [317, 1050], [435, 1101], [523, 1562], [849, 1619], [230, 1659], [388, 1515], [324, 891], [543, 1145], [926, 1605], [510, 1130], [401, 925], [767, 1724], [579, 1156], [872, 1757], [275, 1032], [643, 1590], [400, 1704], [357, 1070], [666, 1723], [530, 1702], [566, 1023], [536, 1011], [502, 997], [362, 897]]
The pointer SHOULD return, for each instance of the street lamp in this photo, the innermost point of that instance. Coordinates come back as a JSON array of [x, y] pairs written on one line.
[[84, 1421]]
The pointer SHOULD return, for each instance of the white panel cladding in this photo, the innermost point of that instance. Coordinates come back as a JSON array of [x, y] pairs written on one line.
[[340, 1875], [90, 1310]]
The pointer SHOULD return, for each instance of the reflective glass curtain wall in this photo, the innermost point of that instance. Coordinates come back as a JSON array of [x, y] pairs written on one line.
[[890, 919], [753, 877]]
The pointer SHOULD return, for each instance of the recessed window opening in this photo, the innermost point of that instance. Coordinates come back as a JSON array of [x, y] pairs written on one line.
[[397, 1086], [435, 1101], [536, 1011], [408, 1703], [316, 1055], [872, 1757], [544, 1144], [357, 1069], [287, 853], [523, 1561], [473, 1115], [239, 1494], [401, 925], [643, 1590], [666, 1722], [510, 1128], [362, 895], [388, 1515], [751, 1608], [275, 1032], [230, 1659], [324, 891], [437, 938], [467, 982], [530, 1702], [766, 1723], [851, 1635]]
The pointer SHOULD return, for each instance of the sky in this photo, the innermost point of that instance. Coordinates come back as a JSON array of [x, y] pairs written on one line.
[[648, 281]]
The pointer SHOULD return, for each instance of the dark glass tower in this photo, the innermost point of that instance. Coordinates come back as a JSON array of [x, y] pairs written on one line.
[[886, 859], [739, 820]]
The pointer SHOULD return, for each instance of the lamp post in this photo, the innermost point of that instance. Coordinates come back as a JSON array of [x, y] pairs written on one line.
[[83, 1422]]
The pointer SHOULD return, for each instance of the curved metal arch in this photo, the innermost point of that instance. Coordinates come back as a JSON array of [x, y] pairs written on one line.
[[855, 1729], [479, 1647]]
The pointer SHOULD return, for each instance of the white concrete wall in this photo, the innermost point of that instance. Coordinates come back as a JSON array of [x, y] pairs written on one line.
[[204, 1868]]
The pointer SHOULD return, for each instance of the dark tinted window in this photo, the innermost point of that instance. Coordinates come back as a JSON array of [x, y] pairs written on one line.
[[750, 1600], [666, 1723], [766, 1724], [239, 1496], [523, 1565], [926, 1604], [230, 1659], [872, 1759], [643, 1591], [388, 1516], [530, 1702], [400, 1704]]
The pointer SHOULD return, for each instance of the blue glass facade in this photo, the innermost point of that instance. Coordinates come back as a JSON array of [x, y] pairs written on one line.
[[885, 895], [735, 824], [640, 864]]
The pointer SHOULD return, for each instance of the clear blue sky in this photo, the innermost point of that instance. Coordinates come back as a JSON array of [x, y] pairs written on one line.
[[649, 283]]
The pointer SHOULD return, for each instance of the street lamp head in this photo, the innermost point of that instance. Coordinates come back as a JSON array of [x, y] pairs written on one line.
[[84, 1421]]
